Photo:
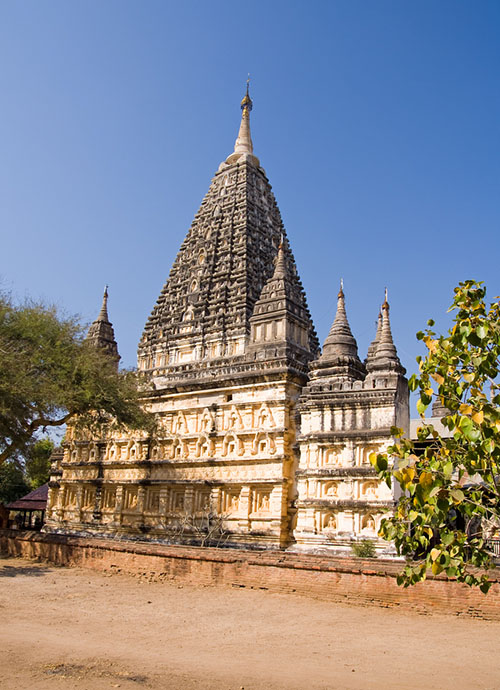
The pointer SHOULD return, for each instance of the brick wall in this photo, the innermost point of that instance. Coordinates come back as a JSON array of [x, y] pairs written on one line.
[[366, 582]]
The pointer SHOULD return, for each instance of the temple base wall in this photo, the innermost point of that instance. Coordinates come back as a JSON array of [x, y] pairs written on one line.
[[364, 582]]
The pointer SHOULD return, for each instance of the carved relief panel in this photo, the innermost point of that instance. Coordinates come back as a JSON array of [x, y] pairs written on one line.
[[229, 500], [108, 500], [130, 498], [88, 498], [261, 501]]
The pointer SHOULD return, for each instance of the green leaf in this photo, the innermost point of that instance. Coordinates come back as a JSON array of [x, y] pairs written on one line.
[[435, 491], [485, 586], [421, 406], [443, 504], [457, 495], [482, 331], [413, 383], [448, 469], [473, 435], [434, 554]]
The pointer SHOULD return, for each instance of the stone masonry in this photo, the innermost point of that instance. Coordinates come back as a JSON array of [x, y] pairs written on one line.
[[255, 425]]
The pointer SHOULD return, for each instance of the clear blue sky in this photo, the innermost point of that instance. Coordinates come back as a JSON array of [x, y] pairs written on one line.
[[376, 121]]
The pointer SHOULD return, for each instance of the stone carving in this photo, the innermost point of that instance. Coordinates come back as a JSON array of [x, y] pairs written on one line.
[[368, 524], [263, 444], [265, 418], [329, 522], [230, 501], [234, 420], [351, 409], [130, 498], [233, 360], [108, 497], [204, 447], [153, 500], [331, 490], [180, 425], [261, 501], [156, 451], [207, 423], [88, 497], [232, 445], [69, 500], [369, 489]]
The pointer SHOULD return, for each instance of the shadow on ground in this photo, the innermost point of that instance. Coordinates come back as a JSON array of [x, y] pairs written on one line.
[[35, 570]]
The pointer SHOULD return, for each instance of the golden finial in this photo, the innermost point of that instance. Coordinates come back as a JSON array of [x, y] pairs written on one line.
[[247, 101], [386, 303], [341, 291]]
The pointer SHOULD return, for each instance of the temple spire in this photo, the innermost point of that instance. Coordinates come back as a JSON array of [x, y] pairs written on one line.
[[340, 341], [340, 350], [373, 345], [280, 266], [384, 357], [243, 145], [101, 333], [103, 314]]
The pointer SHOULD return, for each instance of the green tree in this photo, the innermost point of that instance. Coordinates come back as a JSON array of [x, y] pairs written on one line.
[[13, 484], [37, 462], [50, 375], [450, 505]]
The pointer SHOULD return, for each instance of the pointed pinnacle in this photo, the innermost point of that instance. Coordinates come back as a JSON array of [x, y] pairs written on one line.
[[372, 348], [243, 146], [280, 267], [103, 314], [385, 357], [340, 341], [244, 143]]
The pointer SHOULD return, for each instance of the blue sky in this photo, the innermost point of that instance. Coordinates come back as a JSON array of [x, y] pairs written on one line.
[[376, 121]]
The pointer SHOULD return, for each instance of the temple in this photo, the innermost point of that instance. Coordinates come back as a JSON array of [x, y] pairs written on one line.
[[256, 425]]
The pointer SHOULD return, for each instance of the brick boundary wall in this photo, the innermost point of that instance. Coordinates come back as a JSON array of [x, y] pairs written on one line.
[[365, 582]]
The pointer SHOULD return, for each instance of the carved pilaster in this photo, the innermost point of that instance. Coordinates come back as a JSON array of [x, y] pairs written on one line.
[[163, 507], [78, 504], [97, 513], [117, 515]]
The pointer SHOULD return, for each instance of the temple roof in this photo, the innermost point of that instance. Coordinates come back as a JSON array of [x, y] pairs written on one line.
[[383, 356], [35, 500], [340, 341], [340, 350], [101, 333], [227, 257]]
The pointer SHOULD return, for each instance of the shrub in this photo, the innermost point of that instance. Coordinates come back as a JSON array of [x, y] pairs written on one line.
[[363, 549]]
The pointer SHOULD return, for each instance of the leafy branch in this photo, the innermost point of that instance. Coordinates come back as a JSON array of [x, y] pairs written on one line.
[[450, 502]]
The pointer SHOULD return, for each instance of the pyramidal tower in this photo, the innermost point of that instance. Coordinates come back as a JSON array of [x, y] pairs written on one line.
[[101, 333], [202, 319], [259, 435], [226, 349]]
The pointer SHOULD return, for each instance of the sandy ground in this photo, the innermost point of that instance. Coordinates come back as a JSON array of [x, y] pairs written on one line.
[[71, 628]]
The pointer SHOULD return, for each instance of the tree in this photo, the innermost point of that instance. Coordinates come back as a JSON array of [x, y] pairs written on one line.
[[12, 482], [37, 462], [450, 505], [50, 375]]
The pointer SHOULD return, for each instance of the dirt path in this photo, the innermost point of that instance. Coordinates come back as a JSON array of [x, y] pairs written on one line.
[[69, 628]]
